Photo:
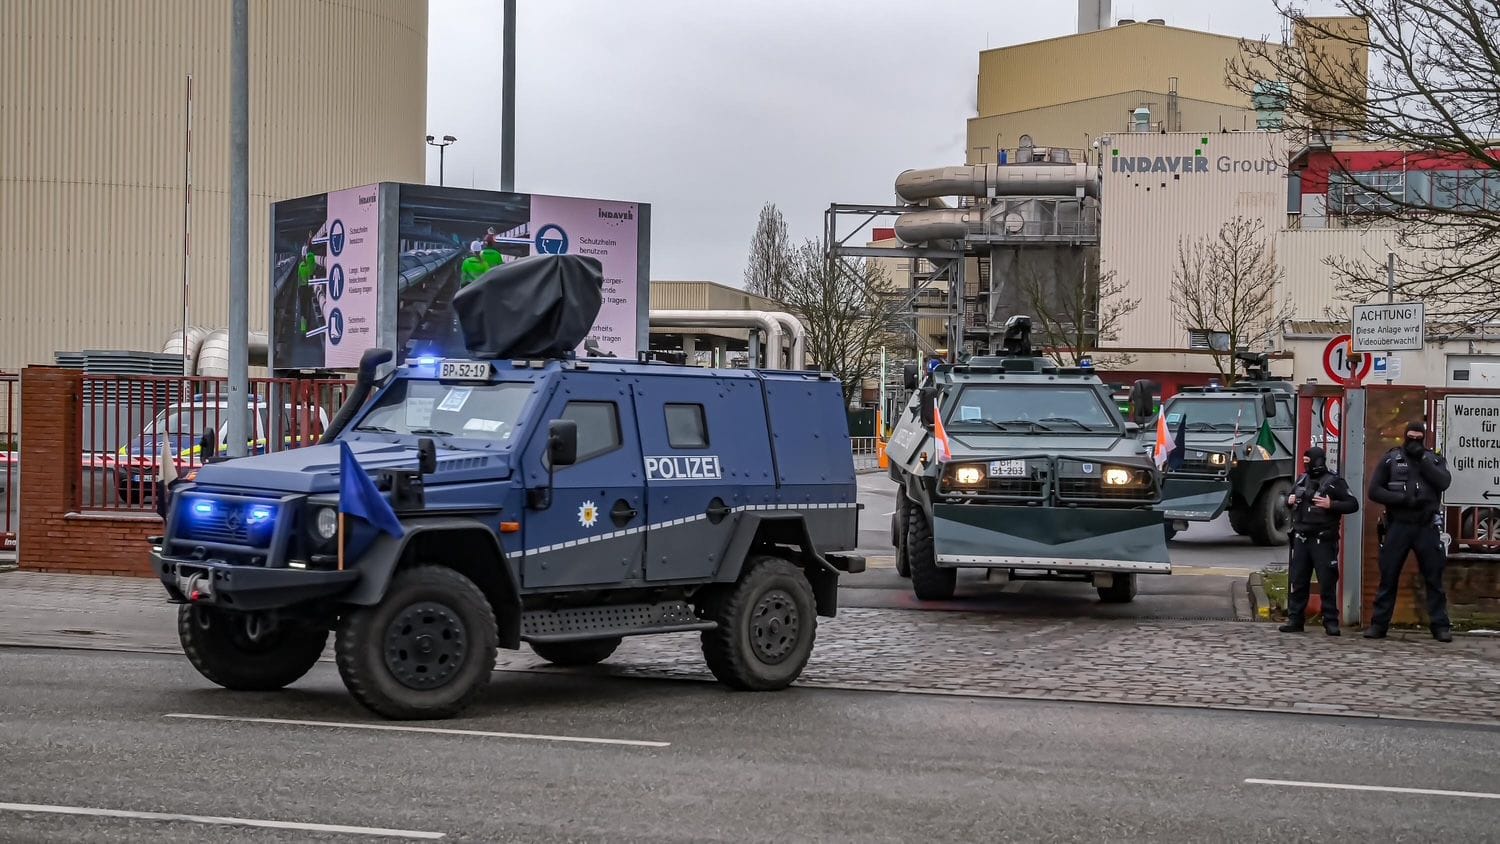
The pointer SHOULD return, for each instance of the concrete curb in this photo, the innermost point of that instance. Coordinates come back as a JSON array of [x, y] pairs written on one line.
[[1260, 605]]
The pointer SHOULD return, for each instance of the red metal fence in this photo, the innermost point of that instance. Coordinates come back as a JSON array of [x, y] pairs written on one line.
[[10, 450], [127, 422]]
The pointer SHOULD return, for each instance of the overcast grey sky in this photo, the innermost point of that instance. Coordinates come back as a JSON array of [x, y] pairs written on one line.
[[708, 109]]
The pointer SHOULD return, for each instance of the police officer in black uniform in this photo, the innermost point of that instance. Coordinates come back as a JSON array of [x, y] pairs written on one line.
[[1410, 481], [1319, 501]]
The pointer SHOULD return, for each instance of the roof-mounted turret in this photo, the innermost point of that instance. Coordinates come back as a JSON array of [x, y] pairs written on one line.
[[537, 307]]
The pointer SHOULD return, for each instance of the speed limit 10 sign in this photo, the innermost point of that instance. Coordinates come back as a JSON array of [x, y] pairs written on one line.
[[1339, 366]]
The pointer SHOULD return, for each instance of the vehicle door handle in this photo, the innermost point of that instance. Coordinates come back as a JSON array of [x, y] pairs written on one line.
[[622, 513]]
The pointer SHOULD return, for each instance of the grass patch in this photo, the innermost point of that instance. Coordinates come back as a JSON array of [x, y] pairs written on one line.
[[1274, 581]]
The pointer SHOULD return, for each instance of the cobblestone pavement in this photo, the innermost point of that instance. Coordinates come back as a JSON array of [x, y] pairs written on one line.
[[1205, 664]]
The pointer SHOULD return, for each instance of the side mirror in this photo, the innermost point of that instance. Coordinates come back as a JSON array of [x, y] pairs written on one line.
[[1140, 401], [208, 445], [562, 442], [1268, 404], [426, 456], [925, 410], [909, 376]]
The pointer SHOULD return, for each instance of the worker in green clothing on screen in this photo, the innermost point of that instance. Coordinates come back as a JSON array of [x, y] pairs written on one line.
[[307, 270], [473, 266]]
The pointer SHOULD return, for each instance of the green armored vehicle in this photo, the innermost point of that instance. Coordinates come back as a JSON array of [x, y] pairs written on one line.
[[1025, 469], [1237, 458]]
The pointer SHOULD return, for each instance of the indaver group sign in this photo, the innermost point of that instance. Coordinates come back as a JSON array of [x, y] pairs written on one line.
[[1392, 327]]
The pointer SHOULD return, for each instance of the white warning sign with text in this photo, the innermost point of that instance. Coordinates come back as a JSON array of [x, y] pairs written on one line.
[[1471, 445], [1392, 327]]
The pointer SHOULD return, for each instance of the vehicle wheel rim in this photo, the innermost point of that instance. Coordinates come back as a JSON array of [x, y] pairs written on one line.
[[774, 624], [1487, 529], [425, 645]]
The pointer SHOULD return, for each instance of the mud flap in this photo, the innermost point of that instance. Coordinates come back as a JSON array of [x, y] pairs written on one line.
[[1061, 539], [1193, 499]]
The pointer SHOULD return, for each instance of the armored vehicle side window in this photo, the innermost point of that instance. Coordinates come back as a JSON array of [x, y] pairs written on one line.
[[598, 427], [686, 427], [1286, 415]]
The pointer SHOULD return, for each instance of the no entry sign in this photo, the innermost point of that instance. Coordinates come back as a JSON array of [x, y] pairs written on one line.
[[1339, 367], [1333, 408]]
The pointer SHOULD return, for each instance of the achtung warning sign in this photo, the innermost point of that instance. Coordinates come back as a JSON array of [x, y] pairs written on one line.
[[1393, 327]]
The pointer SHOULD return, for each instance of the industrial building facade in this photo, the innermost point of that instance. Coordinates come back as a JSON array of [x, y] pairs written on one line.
[[93, 142]]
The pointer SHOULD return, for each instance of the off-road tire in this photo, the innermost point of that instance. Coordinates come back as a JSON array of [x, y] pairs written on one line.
[[575, 654], [928, 582], [1240, 520], [898, 532], [217, 644], [1121, 589], [1271, 521], [429, 598], [750, 649]]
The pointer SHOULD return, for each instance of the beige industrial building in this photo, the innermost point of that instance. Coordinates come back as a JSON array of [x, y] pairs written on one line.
[[93, 124], [1067, 91]]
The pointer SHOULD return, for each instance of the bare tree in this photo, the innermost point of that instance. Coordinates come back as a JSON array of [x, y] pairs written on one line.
[[1430, 97], [1075, 315], [847, 313], [1228, 286], [770, 260]]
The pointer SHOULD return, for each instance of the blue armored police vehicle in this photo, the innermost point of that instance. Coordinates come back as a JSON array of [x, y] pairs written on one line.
[[522, 494]]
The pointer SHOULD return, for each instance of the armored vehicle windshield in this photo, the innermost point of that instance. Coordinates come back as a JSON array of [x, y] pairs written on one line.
[[1022, 407], [1213, 414], [486, 412]]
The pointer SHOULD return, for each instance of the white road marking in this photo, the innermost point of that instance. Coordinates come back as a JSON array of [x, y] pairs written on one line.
[[1338, 786], [207, 819], [397, 728]]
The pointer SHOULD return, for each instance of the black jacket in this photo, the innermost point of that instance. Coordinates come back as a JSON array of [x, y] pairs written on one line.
[[1311, 519], [1411, 490]]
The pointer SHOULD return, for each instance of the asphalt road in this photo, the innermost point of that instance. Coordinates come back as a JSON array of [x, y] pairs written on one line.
[[1211, 563], [86, 731]]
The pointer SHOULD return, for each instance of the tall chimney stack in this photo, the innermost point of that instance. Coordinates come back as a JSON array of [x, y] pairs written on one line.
[[1092, 15]]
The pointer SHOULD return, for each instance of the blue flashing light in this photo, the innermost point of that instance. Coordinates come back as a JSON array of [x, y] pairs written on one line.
[[426, 360], [203, 508], [258, 514]]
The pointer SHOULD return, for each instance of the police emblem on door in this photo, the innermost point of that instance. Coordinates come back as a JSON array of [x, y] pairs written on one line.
[[588, 514]]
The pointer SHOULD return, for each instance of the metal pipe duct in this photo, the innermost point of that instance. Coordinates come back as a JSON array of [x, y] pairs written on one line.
[[794, 327], [1000, 180], [187, 347], [213, 355], [763, 320], [919, 226]]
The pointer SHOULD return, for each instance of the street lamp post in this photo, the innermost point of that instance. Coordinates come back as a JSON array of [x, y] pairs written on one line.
[[442, 148]]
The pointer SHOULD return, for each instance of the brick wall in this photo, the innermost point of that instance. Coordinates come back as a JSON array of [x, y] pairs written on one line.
[[54, 535]]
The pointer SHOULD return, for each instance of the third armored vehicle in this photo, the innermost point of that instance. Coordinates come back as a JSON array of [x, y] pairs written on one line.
[[522, 494], [1237, 458], [1026, 469]]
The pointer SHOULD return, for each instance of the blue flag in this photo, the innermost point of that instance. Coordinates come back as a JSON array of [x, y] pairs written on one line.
[[359, 497], [1178, 454]]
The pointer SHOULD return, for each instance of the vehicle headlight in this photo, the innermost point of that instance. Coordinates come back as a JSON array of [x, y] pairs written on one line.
[[326, 523], [968, 475], [1116, 476], [1217, 459]]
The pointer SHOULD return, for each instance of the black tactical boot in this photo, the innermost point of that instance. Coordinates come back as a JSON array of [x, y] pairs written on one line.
[[1442, 634], [1291, 627], [1331, 628], [1373, 632]]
